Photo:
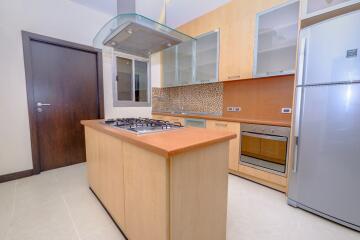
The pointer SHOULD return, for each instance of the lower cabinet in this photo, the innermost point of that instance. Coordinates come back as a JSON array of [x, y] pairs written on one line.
[[234, 148]]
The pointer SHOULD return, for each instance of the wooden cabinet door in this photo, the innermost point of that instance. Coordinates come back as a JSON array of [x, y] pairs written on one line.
[[234, 147]]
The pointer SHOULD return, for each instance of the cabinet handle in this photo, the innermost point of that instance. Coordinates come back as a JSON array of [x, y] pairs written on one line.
[[221, 124], [233, 77]]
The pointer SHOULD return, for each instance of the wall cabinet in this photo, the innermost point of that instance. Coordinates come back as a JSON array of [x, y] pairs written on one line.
[[234, 147], [311, 8], [276, 40], [236, 23], [191, 62], [169, 69], [206, 58]]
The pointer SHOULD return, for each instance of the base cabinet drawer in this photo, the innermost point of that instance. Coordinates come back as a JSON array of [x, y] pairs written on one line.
[[234, 147]]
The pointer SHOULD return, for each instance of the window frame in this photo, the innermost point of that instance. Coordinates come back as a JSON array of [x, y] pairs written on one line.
[[132, 103]]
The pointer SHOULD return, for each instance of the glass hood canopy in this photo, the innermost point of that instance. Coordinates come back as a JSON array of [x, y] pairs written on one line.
[[137, 35]]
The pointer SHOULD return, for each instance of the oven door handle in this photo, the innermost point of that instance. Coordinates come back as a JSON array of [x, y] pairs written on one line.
[[263, 136]]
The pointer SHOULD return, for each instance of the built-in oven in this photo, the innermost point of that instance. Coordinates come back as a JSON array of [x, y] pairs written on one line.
[[265, 147]]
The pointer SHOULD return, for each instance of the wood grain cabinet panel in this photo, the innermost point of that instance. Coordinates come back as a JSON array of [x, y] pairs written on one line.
[[92, 158], [105, 171], [147, 194], [234, 146], [111, 166]]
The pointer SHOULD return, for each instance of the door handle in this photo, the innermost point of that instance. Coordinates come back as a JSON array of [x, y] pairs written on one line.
[[39, 104]]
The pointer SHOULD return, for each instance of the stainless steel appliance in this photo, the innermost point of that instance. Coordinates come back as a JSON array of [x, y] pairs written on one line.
[[137, 35], [265, 147], [143, 125], [325, 176]]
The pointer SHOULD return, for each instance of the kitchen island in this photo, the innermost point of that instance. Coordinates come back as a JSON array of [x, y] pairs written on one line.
[[161, 186]]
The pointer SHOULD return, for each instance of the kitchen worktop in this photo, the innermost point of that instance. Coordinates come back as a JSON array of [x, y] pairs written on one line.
[[167, 143], [227, 119]]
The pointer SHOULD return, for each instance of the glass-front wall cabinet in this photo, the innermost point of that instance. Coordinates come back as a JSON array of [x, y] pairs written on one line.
[[191, 62], [311, 8], [276, 40], [207, 52], [169, 62]]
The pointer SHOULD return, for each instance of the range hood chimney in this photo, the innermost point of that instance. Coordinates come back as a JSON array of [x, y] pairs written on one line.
[[135, 34]]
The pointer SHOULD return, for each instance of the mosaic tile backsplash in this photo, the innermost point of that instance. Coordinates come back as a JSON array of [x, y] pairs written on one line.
[[193, 98]]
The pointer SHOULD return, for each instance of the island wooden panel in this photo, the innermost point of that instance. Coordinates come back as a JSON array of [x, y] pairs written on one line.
[[105, 167], [160, 198], [147, 194], [111, 190], [199, 197]]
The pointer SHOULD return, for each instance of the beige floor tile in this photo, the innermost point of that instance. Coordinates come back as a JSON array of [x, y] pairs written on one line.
[[58, 205], [7, 195]]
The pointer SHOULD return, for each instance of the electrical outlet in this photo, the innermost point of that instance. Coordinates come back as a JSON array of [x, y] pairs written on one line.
[[237, 109], [230, 109], [286, 110]]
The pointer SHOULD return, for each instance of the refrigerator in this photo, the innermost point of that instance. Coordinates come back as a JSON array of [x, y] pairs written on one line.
[[325, 176]]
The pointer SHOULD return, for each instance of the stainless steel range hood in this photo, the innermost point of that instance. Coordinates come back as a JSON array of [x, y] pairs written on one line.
[[137, 35]]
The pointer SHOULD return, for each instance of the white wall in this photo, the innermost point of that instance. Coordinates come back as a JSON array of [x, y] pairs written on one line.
[[71, 20], [179, 12], [62, 19]]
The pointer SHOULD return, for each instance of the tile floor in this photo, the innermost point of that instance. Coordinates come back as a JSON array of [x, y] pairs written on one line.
[[57, 205]]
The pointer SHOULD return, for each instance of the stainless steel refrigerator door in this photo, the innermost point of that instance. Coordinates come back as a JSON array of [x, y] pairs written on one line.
[[332, 51], [327, 176]]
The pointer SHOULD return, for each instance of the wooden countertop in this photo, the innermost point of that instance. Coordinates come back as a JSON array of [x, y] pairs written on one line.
[[227, 119], [167, 143]]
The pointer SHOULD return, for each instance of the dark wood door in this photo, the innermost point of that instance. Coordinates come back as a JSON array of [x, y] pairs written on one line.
[[66, 79]]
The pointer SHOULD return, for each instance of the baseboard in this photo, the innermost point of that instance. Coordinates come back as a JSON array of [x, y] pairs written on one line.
[[263, 182], [16, 175]]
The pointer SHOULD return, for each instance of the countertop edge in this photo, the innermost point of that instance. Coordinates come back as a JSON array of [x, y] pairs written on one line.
[[226, 119], [130, 138]]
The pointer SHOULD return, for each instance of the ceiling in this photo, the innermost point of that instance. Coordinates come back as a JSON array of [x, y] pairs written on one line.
[[106, 6]]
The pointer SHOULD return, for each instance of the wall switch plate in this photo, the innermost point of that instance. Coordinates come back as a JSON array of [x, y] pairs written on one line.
[[230, 109], [286, 110], [237, 109], [233, 109]]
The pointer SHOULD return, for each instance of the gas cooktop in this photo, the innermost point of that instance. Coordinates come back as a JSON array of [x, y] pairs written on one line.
[[143, 125]]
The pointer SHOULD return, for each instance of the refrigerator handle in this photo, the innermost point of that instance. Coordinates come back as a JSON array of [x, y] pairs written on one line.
[[298, 103], [301, 61], [299, 91]]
